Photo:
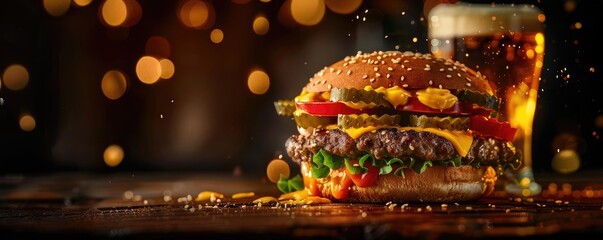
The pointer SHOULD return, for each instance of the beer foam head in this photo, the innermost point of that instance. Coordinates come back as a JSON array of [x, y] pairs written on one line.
[[462, 19]]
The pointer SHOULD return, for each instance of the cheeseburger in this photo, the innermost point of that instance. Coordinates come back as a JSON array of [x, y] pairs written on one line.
[[392, 126]]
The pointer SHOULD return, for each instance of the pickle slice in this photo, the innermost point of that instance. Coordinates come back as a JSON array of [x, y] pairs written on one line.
[[481, 99], [365, 120], [448, 123], [305, 120], [285, 107], [358, 95]]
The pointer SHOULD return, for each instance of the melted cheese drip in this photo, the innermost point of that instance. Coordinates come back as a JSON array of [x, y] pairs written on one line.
[[437, 98], [359, 105], [394, 95], [460, 140]]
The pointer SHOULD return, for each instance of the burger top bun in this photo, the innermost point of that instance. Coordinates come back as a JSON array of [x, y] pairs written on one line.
[[407, 70]]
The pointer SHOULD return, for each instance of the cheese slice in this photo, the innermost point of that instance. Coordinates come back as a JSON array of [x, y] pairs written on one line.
[[461, 140]]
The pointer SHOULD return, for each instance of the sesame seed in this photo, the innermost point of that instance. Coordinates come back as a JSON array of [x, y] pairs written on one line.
[[387, 76], [402, 66], [353, 61], [409, 69], [329, 86], [338, 72], [459, 74], [450, 69], [427, 69], [406, 61], [440, 86], [365, 76], [372, 80], [376, 69], [404, 85], [441, 69], [390, 69], [382, 62], [427, 66], [430, 82], [377, 74], [349, 72], [448, 76], [468, 84], [378, 57], [331, 70], [402, 78], [468, 79]]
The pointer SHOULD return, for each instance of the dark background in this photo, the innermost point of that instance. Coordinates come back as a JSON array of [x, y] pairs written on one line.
[[205, 118]]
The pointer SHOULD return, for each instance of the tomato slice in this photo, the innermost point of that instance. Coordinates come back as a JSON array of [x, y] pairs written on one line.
[[366, 179], [492, 128], [331, 109]]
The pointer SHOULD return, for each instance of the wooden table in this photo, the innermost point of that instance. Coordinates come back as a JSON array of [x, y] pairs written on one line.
[[156, 205]]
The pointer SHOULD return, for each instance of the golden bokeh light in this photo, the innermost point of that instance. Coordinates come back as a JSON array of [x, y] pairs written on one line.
[[133, 13], [167, 68], [216, 35], [114, 84], [258, 82], [158, 46], [148, 69], [599, 121], [343, 6], [15, 77], [82, 3], [307, 12], [196, 14], [56, 7], [566, 161], [114, 12], [277, 168], [113, 155], [261, 25], [27, 123]]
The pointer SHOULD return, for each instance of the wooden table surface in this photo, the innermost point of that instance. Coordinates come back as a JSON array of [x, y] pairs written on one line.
[[157, 206]]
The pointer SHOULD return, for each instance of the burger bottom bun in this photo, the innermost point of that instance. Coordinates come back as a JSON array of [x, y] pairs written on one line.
[[436, 184]]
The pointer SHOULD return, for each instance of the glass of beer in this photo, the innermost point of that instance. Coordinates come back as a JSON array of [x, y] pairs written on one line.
[[505, 43]]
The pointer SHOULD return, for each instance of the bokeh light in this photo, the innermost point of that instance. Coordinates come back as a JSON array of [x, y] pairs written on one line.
[[277, 168], [599, 121], [114, 12], [343, 6], [15, 77], [258, 82], [196, 14], [261, 25], [307, 12], [82, 3], [113, 155], [158, 46], [167, 68], [56, 7], [148, 69], [216, 35], [27, 123], [114, 84], [566, 161]]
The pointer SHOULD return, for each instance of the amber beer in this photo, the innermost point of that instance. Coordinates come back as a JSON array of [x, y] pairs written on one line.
[[505, 43]]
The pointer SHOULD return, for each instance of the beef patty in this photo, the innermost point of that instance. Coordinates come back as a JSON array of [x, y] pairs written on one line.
[[391, 142]]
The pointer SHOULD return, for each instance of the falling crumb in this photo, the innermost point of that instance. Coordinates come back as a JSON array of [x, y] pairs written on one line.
[[428, 208], [558, 201], [469, 208], [456, 204], [444, 205], [507, 210]]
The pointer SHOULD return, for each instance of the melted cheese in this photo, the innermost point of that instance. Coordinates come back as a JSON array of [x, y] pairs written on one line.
[[394, 95], [437, 98], [313, 96], [461, 140], [359, 105]]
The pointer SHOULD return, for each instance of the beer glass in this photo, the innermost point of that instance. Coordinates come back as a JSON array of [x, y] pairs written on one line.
[[505, 43]]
